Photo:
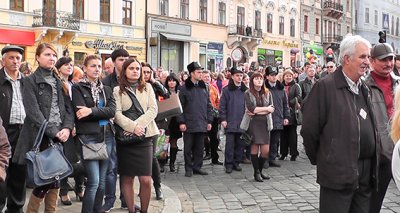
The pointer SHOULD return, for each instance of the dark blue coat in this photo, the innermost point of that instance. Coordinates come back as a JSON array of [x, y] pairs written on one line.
[[231, 107], [280, 104], [196, 105]]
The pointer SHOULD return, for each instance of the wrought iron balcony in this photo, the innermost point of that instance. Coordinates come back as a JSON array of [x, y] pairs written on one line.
[[332, 39], [245, 31], [57, 19], [258, 33], [333, 9]]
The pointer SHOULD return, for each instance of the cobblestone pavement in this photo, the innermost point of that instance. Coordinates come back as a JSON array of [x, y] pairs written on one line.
[[292, 188]]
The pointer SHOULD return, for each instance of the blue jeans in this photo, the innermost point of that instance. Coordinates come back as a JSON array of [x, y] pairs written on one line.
[[96, 171], [111, 178]]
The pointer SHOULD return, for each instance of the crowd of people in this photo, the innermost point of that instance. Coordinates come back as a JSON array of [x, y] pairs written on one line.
[[344, 111]]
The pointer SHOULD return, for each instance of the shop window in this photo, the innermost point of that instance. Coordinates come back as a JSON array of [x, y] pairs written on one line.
[[185, 9], [127, 12], [172, 55], [222, 13], [78, 8], [292, 27], [203, 10], [305, 23], [281, 25], [17, 5], [79, 57], [269, 23], [105, 11], [164, 7]]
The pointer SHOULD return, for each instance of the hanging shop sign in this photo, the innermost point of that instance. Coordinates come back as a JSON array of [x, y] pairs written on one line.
[[237, 54], [100, 44], [281, 43]]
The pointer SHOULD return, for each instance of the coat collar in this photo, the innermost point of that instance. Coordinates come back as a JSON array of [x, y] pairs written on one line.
[[278, 85], [3, 78], [340, 79], [189, 84], [232, 86], [39, 73]]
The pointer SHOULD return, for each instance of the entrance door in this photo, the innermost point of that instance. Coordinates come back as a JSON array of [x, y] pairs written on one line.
[[49, 13]]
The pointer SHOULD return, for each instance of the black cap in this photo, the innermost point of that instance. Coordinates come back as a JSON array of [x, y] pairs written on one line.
[[61, 61], [270, 71], [12, 48], [194, 66], [235, 70]]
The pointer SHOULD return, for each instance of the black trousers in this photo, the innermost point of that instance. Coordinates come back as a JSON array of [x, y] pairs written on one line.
[[275, 138], [349, 200], [214, 141], [289, 141], [14, 188], [193, 150], [385, 175]]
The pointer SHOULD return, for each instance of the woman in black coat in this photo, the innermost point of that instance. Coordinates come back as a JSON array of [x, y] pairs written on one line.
[[289, 134], [45, 98]]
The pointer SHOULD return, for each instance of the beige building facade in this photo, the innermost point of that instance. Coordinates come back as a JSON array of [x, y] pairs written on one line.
[[76, 28]]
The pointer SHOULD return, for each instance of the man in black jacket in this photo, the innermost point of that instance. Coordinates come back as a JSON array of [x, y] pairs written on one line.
[[12, 112], [382, 82], [281, 114], [196, 119], [340, 134]]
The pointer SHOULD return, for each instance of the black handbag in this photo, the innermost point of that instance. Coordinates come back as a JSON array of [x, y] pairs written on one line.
[[47, 166], [132, 113], [246, 138]]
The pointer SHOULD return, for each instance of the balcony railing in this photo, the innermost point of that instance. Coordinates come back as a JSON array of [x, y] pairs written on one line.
[[57, 19], [245, 31], [333, 9], [332, 39]]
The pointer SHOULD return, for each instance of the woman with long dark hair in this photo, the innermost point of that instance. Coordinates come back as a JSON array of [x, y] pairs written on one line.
[[258, 101], [135, 159], [45, 98]]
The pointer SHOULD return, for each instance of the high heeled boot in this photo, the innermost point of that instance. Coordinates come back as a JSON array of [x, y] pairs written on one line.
[[50, 201], [254, 161], [33, 204], [172, 158], [261, 162]]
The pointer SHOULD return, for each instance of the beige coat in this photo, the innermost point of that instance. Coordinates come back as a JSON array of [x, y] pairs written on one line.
[[147, 101]]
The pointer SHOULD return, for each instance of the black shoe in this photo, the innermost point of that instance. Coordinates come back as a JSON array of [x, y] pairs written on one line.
[[188, 173], [228, 170], [217, 162], [159, 194], [257, 177], [162, 169], [265, 177], [293, 158], [172, 168], [66, 202], [200, 172], [207, 157], [274, 164], [237, 168], [282, 157]]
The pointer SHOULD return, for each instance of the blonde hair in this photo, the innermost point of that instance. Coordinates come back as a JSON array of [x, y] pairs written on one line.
[[395, 127]]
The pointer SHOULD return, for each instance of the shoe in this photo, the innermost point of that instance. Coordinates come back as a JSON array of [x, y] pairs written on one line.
[[265, 177], [66, 202], [188, 173], [257, 177], [207, 157], [159, 194], [228, 170], [172, 168], [123, 205], [282, 157], [274, 164], [79, 196], [217, 162], [200, 172], [237, 168], [246, 161], [293, 158], [106, 208]]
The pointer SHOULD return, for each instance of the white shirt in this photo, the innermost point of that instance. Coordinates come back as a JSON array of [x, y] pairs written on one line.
[[396, 164]]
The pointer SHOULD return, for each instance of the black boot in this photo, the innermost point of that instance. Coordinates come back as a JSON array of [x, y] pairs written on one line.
[[173, 151], [261, 162], [254, 160]]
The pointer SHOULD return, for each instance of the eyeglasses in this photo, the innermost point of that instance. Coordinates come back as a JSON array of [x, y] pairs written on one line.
[[330, 66]]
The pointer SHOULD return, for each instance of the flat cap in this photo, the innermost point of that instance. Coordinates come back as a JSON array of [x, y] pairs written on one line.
[[12, 48]]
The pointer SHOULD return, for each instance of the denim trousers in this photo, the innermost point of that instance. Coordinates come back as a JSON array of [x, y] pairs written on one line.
[[96, 171], [111, 178]]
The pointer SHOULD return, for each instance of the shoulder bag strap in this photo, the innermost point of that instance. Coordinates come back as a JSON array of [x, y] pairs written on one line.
[[135, 101], [39, 136]]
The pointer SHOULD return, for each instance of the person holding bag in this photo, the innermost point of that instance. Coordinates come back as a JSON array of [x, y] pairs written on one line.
[[259, 105], [45, 98], [136, 109], [94, 106]]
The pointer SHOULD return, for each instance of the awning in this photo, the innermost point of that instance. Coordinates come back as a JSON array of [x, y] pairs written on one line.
[[179, 37], [17, 37]]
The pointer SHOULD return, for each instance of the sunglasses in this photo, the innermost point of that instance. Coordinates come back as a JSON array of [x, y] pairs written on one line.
[[330, 66]]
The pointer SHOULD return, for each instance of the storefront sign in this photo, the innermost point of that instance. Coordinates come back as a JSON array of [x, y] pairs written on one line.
[[168, 27], [237, 54], [215, 48], [100, 44], [17, 37], [281, 43]]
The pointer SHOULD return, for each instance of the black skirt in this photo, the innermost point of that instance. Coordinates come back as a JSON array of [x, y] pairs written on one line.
[[258, 129], [135, 159]]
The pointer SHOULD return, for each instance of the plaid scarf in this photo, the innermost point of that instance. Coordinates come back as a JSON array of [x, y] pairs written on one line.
[[96, 88]]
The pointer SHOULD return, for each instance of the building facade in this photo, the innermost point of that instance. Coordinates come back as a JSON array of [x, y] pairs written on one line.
[[76, 28], [374, 16]]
